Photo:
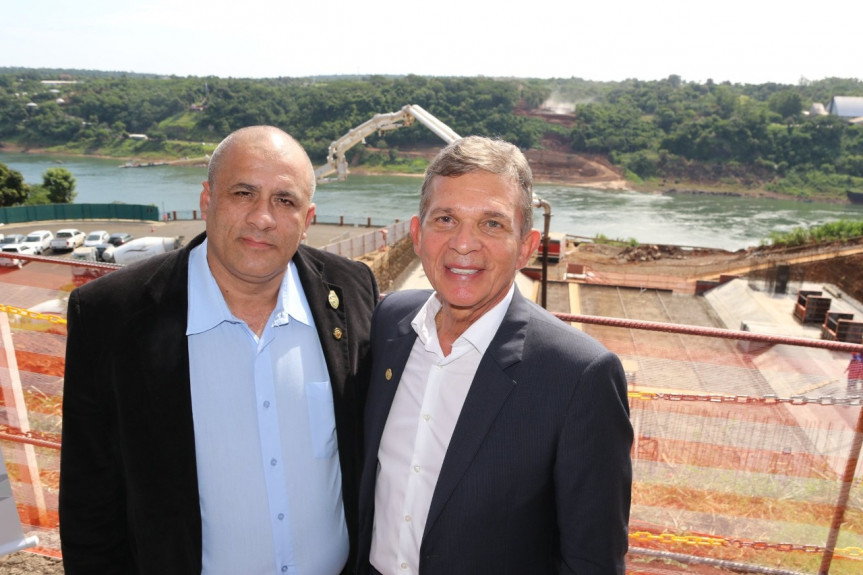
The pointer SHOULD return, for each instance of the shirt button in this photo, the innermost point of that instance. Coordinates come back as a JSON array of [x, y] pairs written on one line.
[[273, 462], [281, 516], [266, 404], [404, 565], [284, 568], [416, 468], [426, 416], [407, 517]]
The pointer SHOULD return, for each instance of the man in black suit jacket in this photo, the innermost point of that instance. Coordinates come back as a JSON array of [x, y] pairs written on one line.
[[129, 484], [497, 437]]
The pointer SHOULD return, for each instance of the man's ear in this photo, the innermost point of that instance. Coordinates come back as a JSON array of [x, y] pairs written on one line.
[[528, 246]]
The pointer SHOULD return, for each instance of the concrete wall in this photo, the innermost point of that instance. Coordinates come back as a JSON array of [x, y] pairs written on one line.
[[389, 264]]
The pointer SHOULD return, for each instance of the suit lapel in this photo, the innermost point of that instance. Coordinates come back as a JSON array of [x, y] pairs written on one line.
[[489, 390], [327, 302], [387, 373]]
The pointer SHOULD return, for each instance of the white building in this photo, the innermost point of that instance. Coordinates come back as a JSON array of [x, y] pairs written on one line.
[[846, 107]]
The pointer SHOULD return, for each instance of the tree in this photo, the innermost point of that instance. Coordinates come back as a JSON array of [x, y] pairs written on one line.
[[13, 190], [60, 184], [787, 104]]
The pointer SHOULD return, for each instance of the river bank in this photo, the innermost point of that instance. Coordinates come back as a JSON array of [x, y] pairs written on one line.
[[549, 168]]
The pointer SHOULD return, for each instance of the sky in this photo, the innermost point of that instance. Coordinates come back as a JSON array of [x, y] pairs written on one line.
[[740, 41]]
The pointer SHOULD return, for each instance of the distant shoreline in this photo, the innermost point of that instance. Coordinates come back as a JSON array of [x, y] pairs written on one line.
[[18, 149], [358, 170], [573, 181]]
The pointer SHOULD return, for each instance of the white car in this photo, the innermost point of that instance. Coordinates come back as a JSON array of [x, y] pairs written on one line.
[[84, 254], [95, 238], [67, 239], [97, 253], [39, 240], [15, 249], [12, 239]]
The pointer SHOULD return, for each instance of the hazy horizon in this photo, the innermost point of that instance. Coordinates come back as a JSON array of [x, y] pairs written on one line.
[[739, 41]]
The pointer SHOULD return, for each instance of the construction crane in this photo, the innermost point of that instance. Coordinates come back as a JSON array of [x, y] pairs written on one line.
[[380, 123]]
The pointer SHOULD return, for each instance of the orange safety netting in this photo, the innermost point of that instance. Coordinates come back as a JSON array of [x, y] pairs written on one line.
[[744, 451]]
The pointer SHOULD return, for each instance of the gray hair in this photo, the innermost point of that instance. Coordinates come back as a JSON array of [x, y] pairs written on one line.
[[237, 137], [475, 153]]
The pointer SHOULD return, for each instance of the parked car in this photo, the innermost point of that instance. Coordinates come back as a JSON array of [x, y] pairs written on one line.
[[67, 239], [85, 254], [119, 238], [15, 249], [12, 239], [95, 238], [94, 253], [39, 240]]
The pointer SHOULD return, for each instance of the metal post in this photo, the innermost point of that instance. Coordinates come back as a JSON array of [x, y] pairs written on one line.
[[844, 492], [16, 411], [538, 202]]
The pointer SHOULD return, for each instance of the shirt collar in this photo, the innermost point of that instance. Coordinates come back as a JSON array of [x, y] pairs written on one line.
[[479, 334], [207, 306]]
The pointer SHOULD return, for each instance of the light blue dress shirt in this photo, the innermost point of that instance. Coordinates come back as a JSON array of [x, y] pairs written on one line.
[[265, 436]]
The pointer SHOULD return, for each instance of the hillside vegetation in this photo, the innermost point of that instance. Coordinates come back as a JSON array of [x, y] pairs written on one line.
[[660, 133]]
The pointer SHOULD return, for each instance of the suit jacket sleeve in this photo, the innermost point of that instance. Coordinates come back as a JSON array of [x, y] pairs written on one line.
[[128, 484], [92, 498], [594, 472]]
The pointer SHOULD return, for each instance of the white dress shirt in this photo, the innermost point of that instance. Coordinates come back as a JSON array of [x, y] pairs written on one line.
[[269, 478], [425, 409]]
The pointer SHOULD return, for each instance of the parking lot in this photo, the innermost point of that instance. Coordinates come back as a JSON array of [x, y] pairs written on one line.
[[318, 235]]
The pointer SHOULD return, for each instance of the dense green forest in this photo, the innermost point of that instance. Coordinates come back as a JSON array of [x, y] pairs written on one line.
[[660, 132]]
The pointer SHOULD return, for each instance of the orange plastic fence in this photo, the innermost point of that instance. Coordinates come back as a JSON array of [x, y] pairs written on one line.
[[743, 454]]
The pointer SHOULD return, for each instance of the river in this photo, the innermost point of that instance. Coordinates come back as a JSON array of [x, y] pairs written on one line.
[[723, 222]]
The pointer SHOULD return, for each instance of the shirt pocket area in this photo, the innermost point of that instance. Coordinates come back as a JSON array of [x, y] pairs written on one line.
[[322, 418]]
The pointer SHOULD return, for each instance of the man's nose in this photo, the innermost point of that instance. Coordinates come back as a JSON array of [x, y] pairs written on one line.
[[261, 215], [465, 238]]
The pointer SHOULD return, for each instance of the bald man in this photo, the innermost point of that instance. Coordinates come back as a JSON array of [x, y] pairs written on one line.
[[213, 395]]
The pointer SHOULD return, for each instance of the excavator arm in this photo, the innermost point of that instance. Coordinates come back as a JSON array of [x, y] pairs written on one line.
[[379, 123]]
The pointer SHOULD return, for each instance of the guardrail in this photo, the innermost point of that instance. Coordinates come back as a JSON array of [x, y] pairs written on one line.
[[356, 246]]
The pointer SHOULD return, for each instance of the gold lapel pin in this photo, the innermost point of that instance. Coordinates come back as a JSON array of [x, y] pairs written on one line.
[[388, 374], [333, 299]]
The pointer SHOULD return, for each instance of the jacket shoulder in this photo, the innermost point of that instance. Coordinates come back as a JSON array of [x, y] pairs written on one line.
[[394, 308], [333, 265], [548, 333], [161, 277], [396, 305]]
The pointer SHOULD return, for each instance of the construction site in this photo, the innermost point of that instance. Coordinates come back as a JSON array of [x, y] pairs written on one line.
[[736, 436], [746, 453]]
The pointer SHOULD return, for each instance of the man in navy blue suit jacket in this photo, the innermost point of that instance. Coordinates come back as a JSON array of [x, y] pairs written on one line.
[[497, 438]]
